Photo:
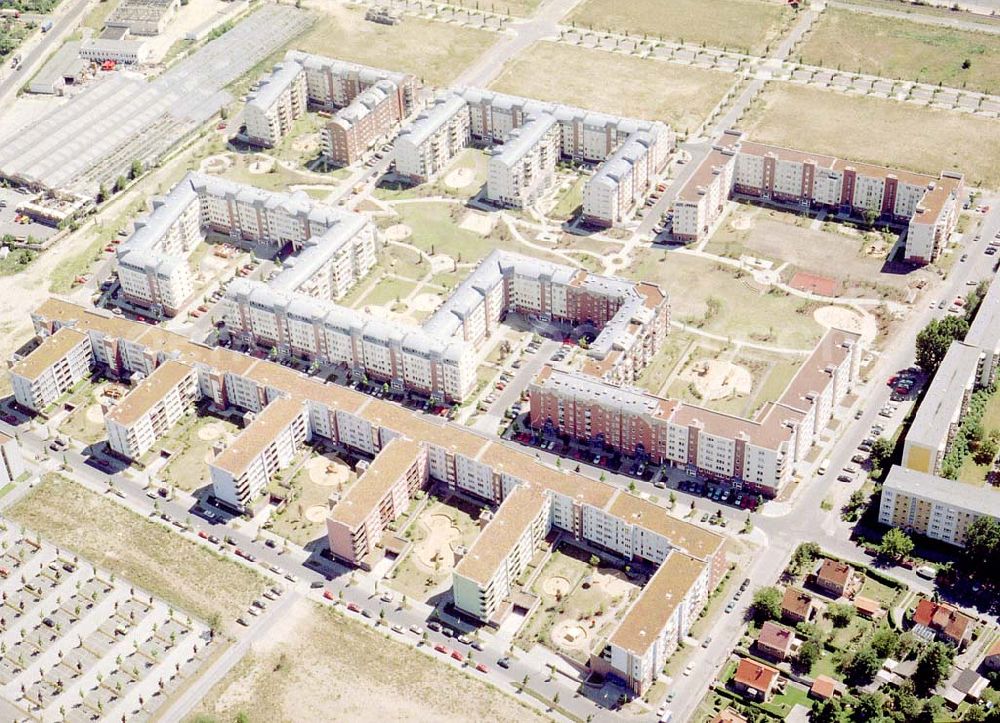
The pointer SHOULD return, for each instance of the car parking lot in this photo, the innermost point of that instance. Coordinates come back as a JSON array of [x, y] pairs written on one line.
[[14, 224]]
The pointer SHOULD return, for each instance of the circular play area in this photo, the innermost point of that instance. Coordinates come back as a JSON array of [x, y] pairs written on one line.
[[441, 263], [397, 232], [261, 165], [211, 431], [571, 634], [459, 178], [215, 164], [840, 318], [435, 551], [317, 513], [556, 586], [716, 379], [425, 302], [327, 473]]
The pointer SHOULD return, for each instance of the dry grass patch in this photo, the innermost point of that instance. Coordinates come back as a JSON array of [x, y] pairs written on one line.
[[680, 95], [746, 25], [314, 662], [874, 130], [436, 52], [904, 49], [183, 573]]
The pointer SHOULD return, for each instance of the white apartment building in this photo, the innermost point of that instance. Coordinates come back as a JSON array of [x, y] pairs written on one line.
[[155, 405], [703, 197], [241, 473], [11, 460], [524, 167], [427, 145], [279, 100], [488, 573], [332, 83], [621, 182], [334, 248], [53, 367]]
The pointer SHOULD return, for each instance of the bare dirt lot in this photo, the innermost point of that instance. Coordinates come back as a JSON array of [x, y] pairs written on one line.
[[679, 95], [856, 260], [317, 666], [734, 24], [879, 131], [183, 573], [435, 52]]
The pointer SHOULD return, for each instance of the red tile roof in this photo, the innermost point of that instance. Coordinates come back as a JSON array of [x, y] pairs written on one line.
[[835, 573], [823, 687], [944, 618], [775, 636], [796, 602], [754, 675]]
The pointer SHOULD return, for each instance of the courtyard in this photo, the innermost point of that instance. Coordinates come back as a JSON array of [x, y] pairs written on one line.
[[302, 519]]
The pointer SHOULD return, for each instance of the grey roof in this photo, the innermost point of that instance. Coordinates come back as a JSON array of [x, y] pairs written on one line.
[[344, 68], [282, 76], [591, 390], [427, 123], [523, 139], [981, 499], [985, 330], [364, 103], [141, 249], [943, 398], [66, 61]]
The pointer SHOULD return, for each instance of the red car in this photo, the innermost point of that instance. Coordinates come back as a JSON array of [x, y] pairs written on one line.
[[441, 649], [482, 668], [892, 381], [353, 607], [202, 534], [328, 595], [456, 655]]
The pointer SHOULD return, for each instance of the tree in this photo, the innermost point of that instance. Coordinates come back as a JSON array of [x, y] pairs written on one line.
[[869, 707], [809, 653], [881, 453], [766, 604], [863, 666], [935, 338], [885, 642], [135, 170], [804, 554], [828, 711], [120, 184], [986, 452], [982, 545], [840, 614], [895, 545], [932, 667]]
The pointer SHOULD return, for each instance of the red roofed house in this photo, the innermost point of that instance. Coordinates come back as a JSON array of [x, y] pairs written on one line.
[[754, 680], [992, 659], [951, 625], [797, 606], [775, 641], [867, 607], [824, 688], [836, 578]]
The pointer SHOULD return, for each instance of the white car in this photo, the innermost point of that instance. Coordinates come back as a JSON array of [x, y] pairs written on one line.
[[927, 572], [397, 628], [688, 668], [416, 630]]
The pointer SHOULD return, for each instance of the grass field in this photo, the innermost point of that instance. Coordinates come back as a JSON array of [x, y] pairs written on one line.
[[927, 11], [880, 131], [680, 95], [746, 25], [149, 554], [473, 159], [435, 52], [903, 49], [187, 467], [315, 659], [305, 493], [655, 375], [719, 300]]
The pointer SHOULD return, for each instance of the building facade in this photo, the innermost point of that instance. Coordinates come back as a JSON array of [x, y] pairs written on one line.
[[278, 102], [52, 368]]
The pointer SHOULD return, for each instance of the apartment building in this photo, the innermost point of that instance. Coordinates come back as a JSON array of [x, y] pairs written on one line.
[[280, 99], [658, 620], [151, 408], [331, 248], [524, 167], [358, 521], [333, 84], [532, 497], [940, 412], [485, 577], [755, 454], [622, 182], [439, 358], [702, 198], [242, 471], [934, 507], [984, 334], [928, 206], [427, 145], [11, 461], [367, 121], [60, 361]]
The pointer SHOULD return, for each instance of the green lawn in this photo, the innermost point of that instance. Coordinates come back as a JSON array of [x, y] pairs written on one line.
[[570, 201], [903, 49], [388, 292], [187, 468], [875, 590], [17, 260], [782, 703], [474, 166], [662, 365], [304, 494]]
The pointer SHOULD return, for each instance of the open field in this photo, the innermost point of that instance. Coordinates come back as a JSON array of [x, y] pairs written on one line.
[[304, 517], [852, 258], [436, 532], [723, 300], [879, 131], [903, 49], [925, 10], [314, 659], [435, 52], [680, 95], [579, 604], [149, 554], [745, 25]]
